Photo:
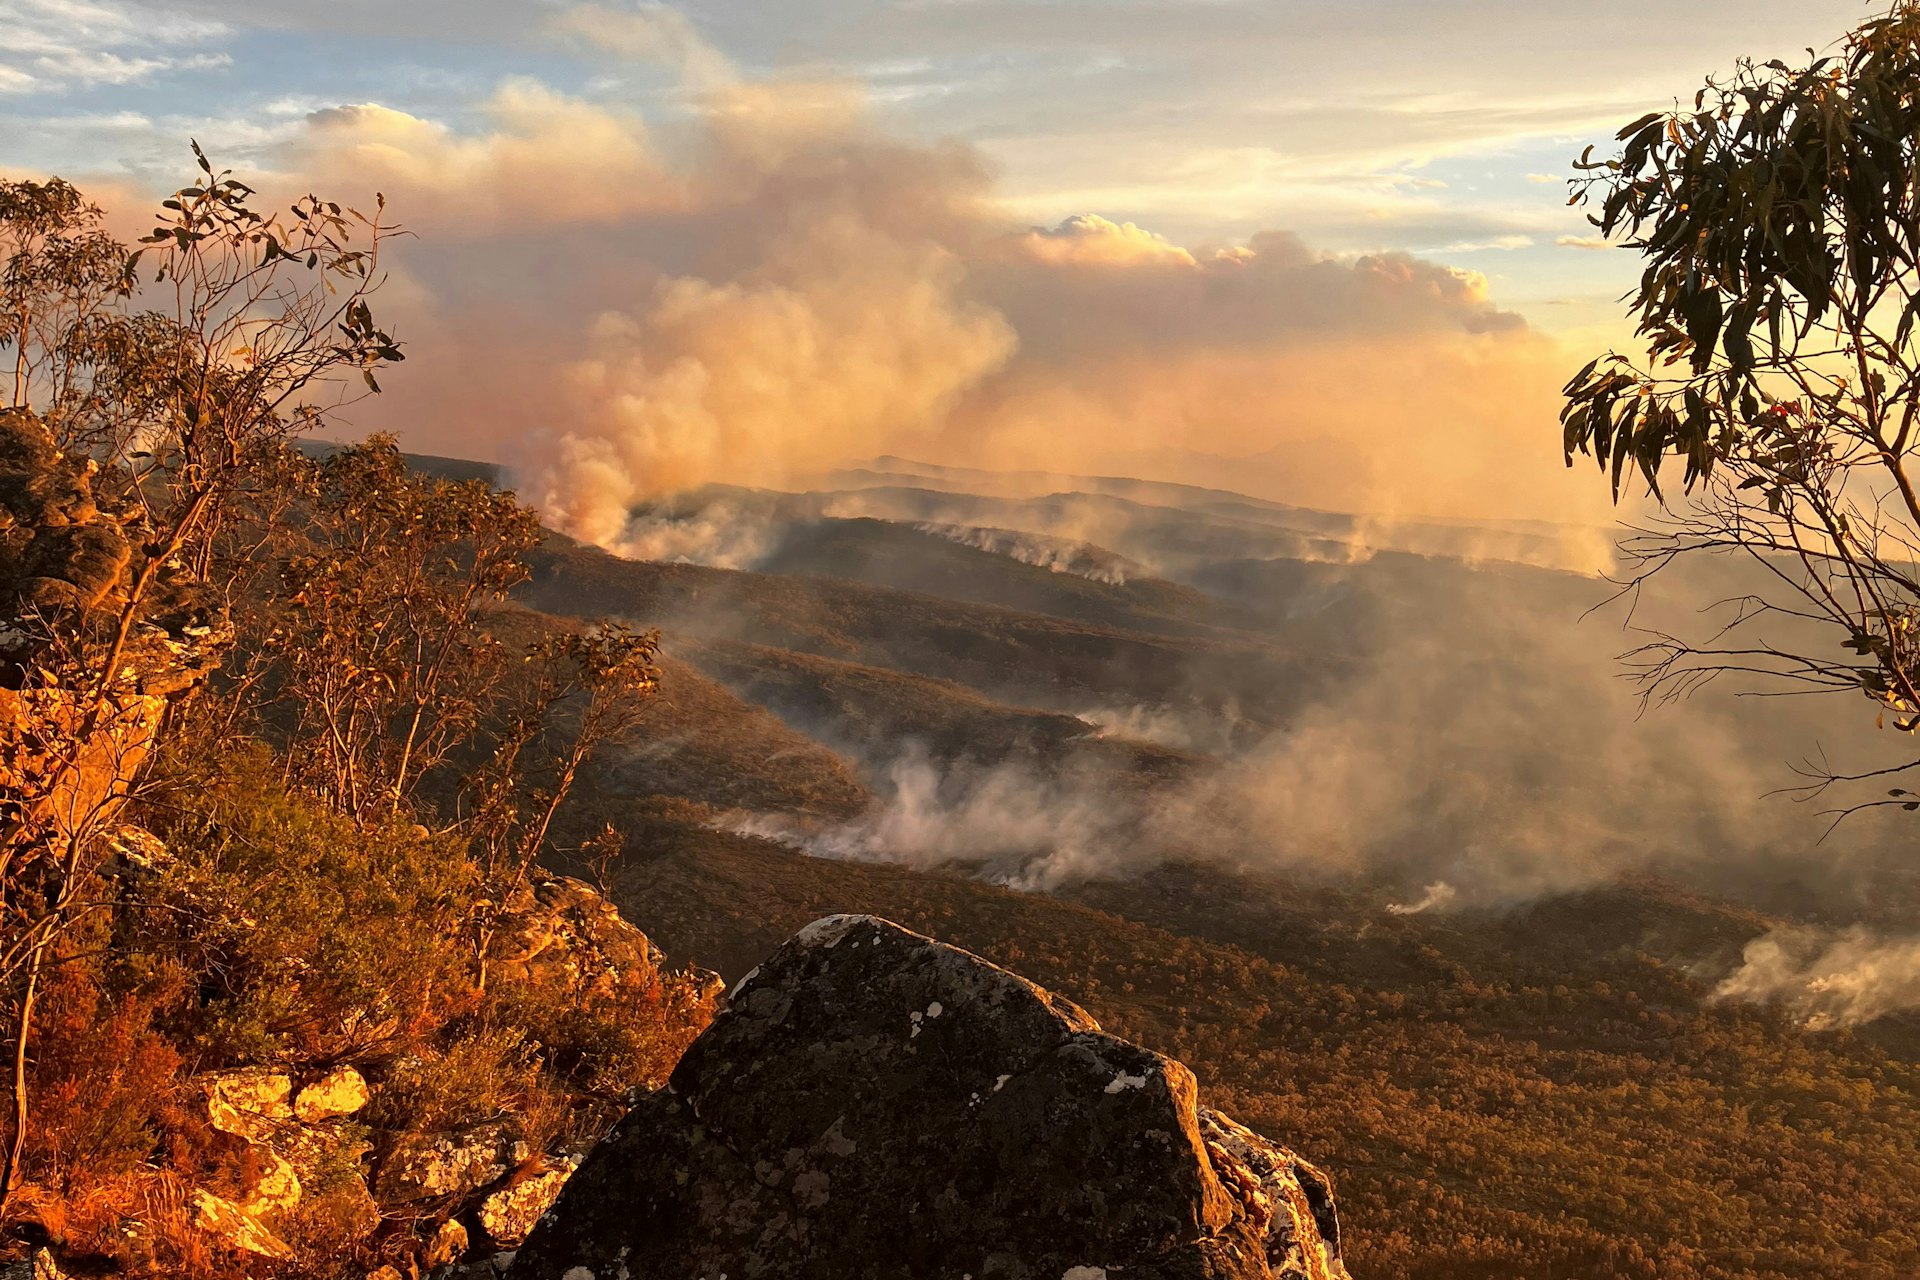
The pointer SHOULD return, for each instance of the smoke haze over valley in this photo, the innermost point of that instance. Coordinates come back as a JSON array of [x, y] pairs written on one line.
[[1434, 711], [1141, 490], [767, 278]]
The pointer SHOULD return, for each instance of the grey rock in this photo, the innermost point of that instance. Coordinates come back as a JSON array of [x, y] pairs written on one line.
[[510, 1214], [39, 1266], [873, 1103]]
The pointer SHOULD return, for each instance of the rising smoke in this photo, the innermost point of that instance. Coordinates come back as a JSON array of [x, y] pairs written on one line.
[[1006, 822], [725, 535], [764, 281], [1828, 979], [1437, 896], [761, 280], [1059, 555]]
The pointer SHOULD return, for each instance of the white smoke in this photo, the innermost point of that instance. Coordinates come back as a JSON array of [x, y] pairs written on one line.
[[1066, 519], [1182, 728], [1828, 979], [834, 336], [1437, 896], [721, 534], [1010, 825], [1059, 555]]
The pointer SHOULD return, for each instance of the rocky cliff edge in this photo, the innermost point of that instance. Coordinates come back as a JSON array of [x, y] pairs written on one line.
[[874, 1103]]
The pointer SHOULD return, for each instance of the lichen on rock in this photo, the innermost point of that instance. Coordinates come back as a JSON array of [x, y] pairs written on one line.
[[340, 1092], [876, 1103]]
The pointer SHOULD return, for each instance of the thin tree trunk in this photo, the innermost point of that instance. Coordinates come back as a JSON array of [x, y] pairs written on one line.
[[16, 1148]]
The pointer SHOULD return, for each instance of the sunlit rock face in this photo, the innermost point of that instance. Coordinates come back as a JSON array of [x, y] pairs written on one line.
[[66, 576], [875, 1103]]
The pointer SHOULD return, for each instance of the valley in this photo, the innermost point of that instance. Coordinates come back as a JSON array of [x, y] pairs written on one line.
[[1531, 1076]]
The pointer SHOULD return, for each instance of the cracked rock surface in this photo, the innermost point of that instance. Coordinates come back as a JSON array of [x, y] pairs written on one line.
[[875, 1103]]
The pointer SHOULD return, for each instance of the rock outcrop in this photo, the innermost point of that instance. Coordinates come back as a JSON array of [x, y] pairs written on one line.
[[297, 1158], [39, 1266], [561, 934], [873, 1103], [65, 581]]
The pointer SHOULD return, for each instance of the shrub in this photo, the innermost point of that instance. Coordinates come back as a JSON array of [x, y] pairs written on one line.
[[313, 940]]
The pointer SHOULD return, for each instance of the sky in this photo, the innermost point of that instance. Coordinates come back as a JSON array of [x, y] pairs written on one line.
[[1318, 248]]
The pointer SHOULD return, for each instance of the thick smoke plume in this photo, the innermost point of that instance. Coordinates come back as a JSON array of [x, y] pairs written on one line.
[[722, 534], [757, 279], [1466, 738], [1486, 738]]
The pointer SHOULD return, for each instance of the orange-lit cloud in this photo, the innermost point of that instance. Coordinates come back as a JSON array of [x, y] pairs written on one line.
[[545, 159], [1087, 239], [768, 282]]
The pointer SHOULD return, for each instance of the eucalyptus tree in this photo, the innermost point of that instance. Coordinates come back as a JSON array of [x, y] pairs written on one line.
[[170, 376], [1777, 217]]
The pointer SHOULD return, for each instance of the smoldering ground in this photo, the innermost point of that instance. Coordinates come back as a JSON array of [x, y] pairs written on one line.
[[1828, 977], [1471, 725], [1486, 753]]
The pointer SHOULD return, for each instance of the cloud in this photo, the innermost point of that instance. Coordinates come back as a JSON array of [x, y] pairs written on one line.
[[545, 159], [1383, 383], [1203, 122], [1503, 243], [55, 45], [1585, 242], [1090, 240]]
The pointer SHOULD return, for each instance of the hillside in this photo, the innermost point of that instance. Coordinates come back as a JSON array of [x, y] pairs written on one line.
[[1534, 1082], [867, 707], [1538, 1094], [918, 558], [1036, 659], [695, 740]]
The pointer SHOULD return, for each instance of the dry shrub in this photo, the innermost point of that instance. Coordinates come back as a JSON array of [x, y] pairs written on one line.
[[475, 1073], [103, 1081], [278, 933], [136, 1224], [607, 1041], [316, 940]]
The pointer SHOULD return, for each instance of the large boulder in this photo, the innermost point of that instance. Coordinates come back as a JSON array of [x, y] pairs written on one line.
[[873, 1103]]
